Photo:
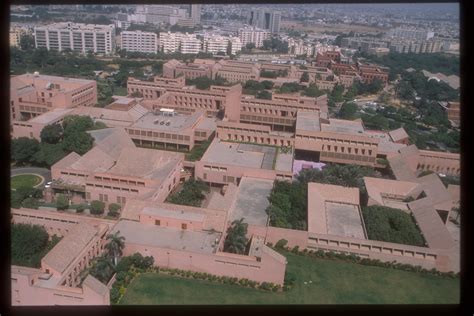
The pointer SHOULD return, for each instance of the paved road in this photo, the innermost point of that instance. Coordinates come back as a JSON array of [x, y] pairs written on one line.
[[45, 173]]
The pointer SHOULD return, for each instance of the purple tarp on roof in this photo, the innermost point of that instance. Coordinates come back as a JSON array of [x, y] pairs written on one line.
[[303, 164]]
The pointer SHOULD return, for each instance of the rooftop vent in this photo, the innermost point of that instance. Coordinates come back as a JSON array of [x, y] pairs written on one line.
[[162, 122], [168, 123], [156, 122], [36, 74], [240, 151]]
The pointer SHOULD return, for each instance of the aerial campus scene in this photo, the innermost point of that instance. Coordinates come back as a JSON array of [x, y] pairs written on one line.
[[235, 154]]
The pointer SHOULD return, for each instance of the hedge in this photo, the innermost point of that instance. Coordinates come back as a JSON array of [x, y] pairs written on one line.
[[366, 261]]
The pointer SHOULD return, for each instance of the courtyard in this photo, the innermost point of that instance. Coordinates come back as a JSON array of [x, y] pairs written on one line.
[[317, 281]]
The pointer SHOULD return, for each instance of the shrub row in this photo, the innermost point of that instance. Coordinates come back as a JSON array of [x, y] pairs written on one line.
[[268, 286], [364, 261]]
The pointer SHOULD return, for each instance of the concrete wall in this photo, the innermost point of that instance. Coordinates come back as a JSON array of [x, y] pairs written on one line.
[[221, 264], [26, 293]]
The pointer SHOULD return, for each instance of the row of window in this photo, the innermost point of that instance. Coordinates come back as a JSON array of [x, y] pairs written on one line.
[[46, 218], [111, 188], [438, 168], [73, 174], [213, 168], [267, 119], [350, 150], [158, 135], [131, 182], [336, 140], [267, 111]]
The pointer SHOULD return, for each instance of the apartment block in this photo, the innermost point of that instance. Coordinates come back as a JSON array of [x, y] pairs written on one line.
[[253, 35], [77, 37], [179, 42], [411, 33], [138, 41]]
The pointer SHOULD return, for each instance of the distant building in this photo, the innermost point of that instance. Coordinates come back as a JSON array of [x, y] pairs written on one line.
[[15, 35], [253, 35], [411, 33], [77, 37], [195, 13], [266, 20], [138, 41], [179, 42]]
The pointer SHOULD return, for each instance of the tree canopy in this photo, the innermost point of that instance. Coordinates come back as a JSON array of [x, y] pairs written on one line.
[[348, 111], [236, 239], [29, 244], [391, 225], [192, 193], [51, 134]]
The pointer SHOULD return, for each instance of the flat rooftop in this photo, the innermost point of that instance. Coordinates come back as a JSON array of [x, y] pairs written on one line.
[[51, 116], [334, 210], [343, 126], [174, 123], [243, 155], [166, 237], [344, 220], [252, 201], [160, 211], [308, 121]]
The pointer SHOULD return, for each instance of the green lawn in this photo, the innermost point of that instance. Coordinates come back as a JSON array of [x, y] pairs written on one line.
[[24, 180], [333, 282]]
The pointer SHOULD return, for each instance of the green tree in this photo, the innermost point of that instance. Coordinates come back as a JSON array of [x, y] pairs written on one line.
[[192, 193], [290, 87], [391, 225], [30, 202], [27, 42], [348, 111], [28, 243], [115, 246], [97, 207], [51, 134], [23, 150], [114, 209], [304, 77], [264, 95], [62, 202], [79, 143], [49, 154], [102, 269], [313, 91], [250, 46], [267, 84], [236, 240], [337, 93]]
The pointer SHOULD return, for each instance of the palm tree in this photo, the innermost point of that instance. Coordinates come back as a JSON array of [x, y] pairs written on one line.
[[102, 270], [115, 245], [236, 240]]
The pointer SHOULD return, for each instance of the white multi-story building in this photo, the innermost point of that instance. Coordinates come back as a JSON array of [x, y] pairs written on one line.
[[138, 41], [190, 45], [214, 44], [77, 37], [411, 33], [235, 45], [253, 35], [15, 35], [179, 42]]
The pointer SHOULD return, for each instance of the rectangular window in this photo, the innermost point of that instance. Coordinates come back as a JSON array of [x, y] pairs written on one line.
[[184, 226], [157, 222]]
